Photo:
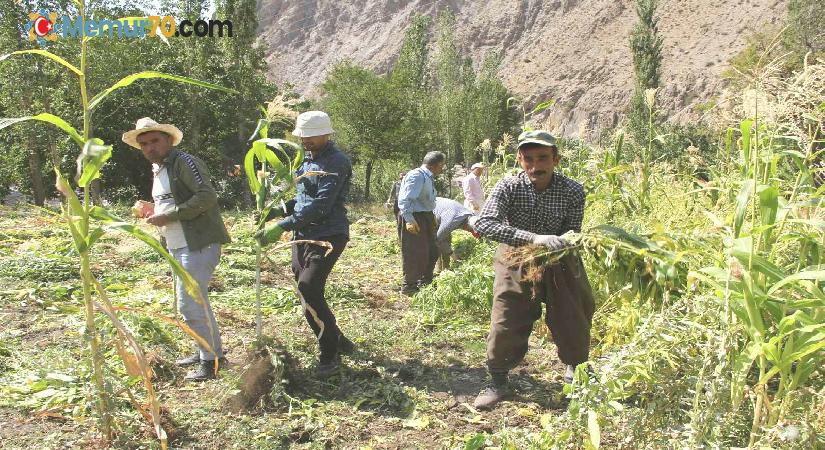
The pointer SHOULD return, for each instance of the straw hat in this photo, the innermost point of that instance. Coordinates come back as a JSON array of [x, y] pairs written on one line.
[[312, 123], [145, 125]]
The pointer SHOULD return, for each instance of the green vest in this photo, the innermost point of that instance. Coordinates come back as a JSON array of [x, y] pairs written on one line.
[[196, 202]]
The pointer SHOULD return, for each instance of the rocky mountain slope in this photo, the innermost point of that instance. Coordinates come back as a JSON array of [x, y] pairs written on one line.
[[573, 51]]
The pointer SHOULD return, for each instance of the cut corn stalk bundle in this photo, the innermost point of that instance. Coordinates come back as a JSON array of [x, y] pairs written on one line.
[[650, 268]]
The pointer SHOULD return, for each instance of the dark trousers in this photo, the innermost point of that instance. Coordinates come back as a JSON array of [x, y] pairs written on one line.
[[311, 269], [564, 289], [418, 251]]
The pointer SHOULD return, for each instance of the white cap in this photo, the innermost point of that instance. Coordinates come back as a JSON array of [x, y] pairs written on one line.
[[477, 166], [312, 123]]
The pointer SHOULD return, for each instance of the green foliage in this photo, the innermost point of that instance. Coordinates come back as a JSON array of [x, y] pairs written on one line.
[[646, 49], [783, 49], [215, 126], [426, 101], [806, 19], [38, 268], [467, 287]]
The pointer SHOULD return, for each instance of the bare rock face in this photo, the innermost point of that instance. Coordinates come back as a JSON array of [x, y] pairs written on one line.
[[573, 51]]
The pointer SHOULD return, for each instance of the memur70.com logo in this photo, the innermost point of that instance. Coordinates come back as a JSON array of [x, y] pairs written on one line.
[[48, 26]]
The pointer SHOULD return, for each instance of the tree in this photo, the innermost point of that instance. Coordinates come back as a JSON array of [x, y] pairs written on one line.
[[370, 115], [807, 24], [646, 47], [26, 149]]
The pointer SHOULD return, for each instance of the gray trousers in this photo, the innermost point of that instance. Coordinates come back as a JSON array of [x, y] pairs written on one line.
[[200, 318], [445, 252]]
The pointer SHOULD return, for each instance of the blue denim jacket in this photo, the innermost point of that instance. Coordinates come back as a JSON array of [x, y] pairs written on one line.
[[319, 199]]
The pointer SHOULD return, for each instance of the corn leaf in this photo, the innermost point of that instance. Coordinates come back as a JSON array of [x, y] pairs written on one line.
[[745, 127], [742, 201], [741, 366], [542, 106], [261, 130], [593, 429], [48, 118], [817, 275], [768, 207], [46, 54], [118, 224], [74, 211], [90, 160], [126, 81]]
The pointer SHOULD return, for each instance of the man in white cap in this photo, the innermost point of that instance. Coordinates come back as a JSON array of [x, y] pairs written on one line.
[[318, 213], [473, 193], [186, 211]]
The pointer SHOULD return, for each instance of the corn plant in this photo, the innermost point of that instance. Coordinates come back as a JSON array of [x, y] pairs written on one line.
[[647, 149], [87, 223], [262, 186], [781, 310]]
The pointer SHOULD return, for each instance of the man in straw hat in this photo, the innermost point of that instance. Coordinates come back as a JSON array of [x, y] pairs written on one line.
[[535, 207], [473, 192], [186, 211], [317, 213]]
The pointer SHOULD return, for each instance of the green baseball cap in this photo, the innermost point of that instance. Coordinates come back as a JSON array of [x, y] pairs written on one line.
[[539, 137]]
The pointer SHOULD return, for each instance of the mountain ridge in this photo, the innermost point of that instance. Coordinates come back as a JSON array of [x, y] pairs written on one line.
[[575, 52]]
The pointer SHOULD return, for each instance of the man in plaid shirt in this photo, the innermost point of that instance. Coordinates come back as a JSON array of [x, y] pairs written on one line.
[[536, 206]]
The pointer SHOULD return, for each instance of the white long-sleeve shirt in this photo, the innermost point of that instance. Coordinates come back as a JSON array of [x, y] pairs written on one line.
[[473, 193], [165, 202]]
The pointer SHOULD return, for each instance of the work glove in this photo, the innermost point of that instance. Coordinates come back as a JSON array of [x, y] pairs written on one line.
[[413, 228], [269, 234], [550, 241]]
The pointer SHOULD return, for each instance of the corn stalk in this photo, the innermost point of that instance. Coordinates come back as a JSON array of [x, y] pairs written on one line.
[[79, 217], [262, 186]]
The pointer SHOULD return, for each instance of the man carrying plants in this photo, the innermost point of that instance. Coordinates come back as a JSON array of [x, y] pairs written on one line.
[[317, 213], [416, 222], [186, 210], [535, 207]]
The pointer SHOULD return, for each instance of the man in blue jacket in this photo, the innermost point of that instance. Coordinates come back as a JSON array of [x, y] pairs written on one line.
[[318, 213]]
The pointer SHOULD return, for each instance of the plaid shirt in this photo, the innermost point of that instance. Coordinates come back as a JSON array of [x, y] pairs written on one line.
[[515, 213]]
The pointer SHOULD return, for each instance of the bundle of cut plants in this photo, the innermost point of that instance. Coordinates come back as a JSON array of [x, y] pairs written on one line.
[[627, 258]]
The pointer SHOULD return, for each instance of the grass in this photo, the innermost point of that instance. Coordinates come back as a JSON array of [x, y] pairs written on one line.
[[409, 382]]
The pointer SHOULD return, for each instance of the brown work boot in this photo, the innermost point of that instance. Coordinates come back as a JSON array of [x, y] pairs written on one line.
[[498, 390]]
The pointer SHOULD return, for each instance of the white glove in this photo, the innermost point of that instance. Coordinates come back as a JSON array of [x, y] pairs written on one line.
[[550, 241], [471, 221]]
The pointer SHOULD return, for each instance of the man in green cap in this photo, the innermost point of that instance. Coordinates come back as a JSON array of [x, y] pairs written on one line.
[[536, 207]]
